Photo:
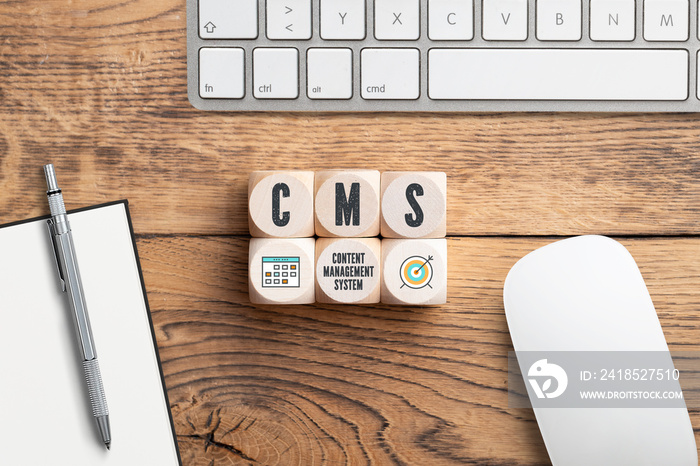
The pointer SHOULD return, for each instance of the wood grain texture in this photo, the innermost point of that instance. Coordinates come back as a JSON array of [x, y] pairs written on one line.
[[98, 87], [362, 384]]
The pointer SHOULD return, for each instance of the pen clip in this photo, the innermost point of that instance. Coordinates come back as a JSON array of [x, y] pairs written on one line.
[[57, 260]]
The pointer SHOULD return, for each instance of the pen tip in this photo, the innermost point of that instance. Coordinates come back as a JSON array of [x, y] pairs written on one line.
[[108, 446]]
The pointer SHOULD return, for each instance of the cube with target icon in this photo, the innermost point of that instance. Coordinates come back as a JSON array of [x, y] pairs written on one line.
[[414, 271]]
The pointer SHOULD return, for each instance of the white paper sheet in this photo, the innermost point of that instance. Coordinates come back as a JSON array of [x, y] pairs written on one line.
[[45, 416]]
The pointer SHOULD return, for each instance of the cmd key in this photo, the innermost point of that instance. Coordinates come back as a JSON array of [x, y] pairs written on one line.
[[390, 74]]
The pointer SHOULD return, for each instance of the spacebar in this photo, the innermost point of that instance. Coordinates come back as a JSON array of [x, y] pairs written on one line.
[[542, 74]]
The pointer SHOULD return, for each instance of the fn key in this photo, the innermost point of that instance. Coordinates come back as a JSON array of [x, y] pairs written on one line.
[[221, 73]]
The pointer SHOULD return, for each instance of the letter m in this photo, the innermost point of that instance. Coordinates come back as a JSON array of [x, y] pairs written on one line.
[[667, 20], [347, 207]]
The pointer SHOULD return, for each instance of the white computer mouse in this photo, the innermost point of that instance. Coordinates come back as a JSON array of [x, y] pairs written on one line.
[[587, 294]]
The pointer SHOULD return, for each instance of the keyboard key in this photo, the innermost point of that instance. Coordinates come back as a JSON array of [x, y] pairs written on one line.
[[541, 74], [276, 73], [451, 19], [390, 74], [224, 19], [666, 20], [397, 19], [343, 19], [559, 19], [505, 19], [289, 19], [612, 20], [329, 73], [221, 73]]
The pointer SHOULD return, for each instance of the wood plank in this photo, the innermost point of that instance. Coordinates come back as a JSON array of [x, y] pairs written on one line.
[[100, 90], [380, 384]]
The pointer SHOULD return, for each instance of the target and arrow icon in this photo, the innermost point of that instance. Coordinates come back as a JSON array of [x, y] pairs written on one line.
[[416, 272]]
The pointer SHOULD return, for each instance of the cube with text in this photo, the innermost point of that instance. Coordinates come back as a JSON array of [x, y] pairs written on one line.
[[281, 204], [348, 270], [347, 203], [414, 204]]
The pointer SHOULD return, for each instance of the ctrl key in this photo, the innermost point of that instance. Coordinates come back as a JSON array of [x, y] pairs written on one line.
[[221, 73], [276, 73]]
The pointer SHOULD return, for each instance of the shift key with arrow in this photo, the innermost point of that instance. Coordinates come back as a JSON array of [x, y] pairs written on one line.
[[289, 19], [209, 27], [224, 19]]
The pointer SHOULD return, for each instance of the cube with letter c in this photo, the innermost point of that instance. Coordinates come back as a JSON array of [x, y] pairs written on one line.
[[281, 204]]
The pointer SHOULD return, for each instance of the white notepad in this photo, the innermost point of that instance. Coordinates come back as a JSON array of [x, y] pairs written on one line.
[[45, 415]]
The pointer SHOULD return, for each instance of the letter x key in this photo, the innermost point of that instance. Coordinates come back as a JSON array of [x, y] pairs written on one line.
[[397, 19]]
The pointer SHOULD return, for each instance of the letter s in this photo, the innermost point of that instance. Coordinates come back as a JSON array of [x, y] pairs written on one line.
[[417, 219]]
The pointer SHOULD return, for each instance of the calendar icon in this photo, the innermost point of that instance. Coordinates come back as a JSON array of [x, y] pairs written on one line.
[[280, 272]]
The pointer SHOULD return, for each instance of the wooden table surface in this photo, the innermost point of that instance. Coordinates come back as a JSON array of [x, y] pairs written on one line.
[[98, 87]]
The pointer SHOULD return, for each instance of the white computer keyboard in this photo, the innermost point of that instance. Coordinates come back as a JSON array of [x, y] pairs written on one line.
[[443, 55]]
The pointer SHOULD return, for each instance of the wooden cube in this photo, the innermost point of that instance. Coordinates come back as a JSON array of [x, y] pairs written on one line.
[[414, 204], [348, 270], [414, 271], [281, 271], [347, 203], [281, 204]]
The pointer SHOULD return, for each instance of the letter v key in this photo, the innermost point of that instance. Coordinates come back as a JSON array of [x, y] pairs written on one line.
[[505, 19]]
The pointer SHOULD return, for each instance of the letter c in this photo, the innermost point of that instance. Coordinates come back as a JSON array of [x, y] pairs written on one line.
[[276, 190], [449, 21]]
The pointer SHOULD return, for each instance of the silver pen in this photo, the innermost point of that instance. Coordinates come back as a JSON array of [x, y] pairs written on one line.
[[69, 275]]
